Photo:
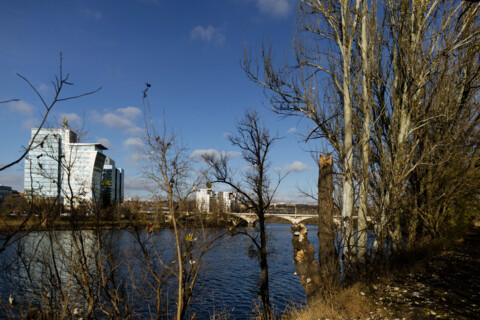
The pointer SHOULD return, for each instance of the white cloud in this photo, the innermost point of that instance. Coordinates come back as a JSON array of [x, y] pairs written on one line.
[[208, 34], [130, 112], [134, 143], [297, 166], [105, 142], [21, 107], [44, 88], [135, 184], [136, 153], [292, 130], [234, 154], [135, 158], [73, 118], [197, 154], [96, 15], [122, 119], [30, 123], [277, 8]]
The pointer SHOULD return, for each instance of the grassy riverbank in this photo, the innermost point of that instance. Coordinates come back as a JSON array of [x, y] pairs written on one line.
[[444, 284], [63, 223]]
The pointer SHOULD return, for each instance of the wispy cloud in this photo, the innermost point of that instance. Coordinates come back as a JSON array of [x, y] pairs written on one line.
[[122, 119], [136, 151], [197, 154], [297, 166], [30, 123], [208, 34], [89, 14], [135, 184], [44, 88], [292, 130], [134, 143], [130, 112], [21, 107], [276, 8], [72, 118]]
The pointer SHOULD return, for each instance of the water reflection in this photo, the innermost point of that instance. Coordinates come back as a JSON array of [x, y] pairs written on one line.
[[228, 279]]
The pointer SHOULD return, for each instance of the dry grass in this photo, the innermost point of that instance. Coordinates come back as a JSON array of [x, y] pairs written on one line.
[[345, 304]]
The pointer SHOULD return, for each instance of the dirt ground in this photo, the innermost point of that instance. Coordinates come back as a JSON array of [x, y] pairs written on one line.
[[446, 287]]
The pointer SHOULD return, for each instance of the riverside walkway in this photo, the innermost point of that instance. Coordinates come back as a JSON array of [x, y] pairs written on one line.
[[446, 286]]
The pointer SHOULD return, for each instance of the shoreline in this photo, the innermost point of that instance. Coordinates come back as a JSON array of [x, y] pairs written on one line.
[[63, 224], [443, 285]]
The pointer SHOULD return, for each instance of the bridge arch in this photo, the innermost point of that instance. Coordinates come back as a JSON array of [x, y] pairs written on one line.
[[291, 218], [250, 218]]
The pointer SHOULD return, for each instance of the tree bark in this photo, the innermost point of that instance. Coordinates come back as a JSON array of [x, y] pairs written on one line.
[[365, 147], [305, 265], [264, 291], [327, 255]]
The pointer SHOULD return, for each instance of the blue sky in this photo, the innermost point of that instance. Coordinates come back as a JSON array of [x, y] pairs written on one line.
[[190, 51]]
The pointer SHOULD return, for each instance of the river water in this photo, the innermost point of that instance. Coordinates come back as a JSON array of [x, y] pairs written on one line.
[[229, 278]]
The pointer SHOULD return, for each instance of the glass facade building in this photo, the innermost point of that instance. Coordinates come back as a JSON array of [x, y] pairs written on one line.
[[58, 166], [112, 181]]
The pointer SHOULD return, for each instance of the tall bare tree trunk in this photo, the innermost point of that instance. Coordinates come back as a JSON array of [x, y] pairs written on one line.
[[365, 140], [180, 309], [264, 291], [327, 255], [345, 42]]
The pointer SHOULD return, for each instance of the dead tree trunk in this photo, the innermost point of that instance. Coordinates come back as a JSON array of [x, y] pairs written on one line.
[[327, 255], [305, 265]]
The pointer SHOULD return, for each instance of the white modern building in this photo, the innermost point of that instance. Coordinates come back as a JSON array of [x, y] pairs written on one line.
[[205, 197], [58, 166]]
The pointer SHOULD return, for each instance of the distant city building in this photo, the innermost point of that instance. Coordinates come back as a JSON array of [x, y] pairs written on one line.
[[109, 179], [5, 191], [226, 199], [120, 178], [205, 198], [58, 166], [113, 181]]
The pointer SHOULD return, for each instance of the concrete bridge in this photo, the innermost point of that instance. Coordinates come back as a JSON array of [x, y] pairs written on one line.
[[251, 218]]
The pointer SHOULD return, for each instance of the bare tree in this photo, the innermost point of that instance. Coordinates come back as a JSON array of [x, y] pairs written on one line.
[[254, 189], [382, 66], [61, 80], [76, 272], [170, 168], [428, 43], [324, 48]]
